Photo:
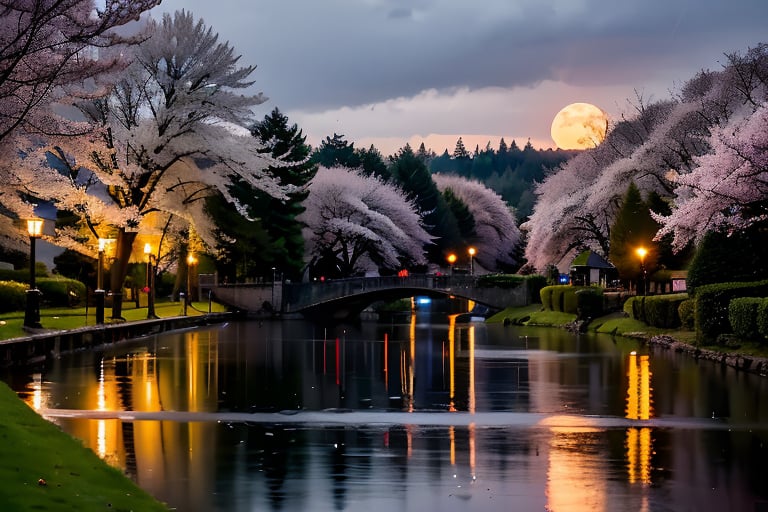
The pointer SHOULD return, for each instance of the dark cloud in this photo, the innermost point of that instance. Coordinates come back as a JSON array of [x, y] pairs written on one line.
[[320, 55]]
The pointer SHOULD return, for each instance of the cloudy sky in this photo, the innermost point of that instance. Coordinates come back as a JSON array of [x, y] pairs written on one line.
[[387, 72]]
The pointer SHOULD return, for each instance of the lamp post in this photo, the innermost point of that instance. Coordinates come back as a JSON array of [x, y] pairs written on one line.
[[99, 292], [32, 311], [451, 261], [150, 286], [472, 252], [191, 261], [641, 252]]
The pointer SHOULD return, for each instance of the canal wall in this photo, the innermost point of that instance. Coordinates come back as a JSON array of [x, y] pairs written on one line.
[[747, 363], [37, 347]]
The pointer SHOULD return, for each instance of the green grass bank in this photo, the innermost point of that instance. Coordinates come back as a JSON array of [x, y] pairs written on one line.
[[42, 468]]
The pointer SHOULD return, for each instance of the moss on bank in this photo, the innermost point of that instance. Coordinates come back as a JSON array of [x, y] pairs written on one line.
[[42, 468]]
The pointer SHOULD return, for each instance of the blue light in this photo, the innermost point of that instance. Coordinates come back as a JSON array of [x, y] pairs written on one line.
[[423, 301]]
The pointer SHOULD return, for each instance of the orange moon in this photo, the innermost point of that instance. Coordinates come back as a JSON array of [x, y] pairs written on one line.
[[579, 126]]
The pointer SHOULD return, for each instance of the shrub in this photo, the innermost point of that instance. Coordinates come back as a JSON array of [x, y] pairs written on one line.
[[662, 310], [535, 283], [13, 296], [742, 314], [61, 291], [762, 319], [589, 303], [711, 310], [685, 312], [561, 297]]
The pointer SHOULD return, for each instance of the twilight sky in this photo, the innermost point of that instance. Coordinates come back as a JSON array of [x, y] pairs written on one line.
[[387, 72]]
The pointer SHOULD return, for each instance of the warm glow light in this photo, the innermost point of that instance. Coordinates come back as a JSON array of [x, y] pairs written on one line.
[[35, 227], [451, 259], [102, 244], [191, 260], [579, 126], [147, 249], [472, 251], [641, 251]]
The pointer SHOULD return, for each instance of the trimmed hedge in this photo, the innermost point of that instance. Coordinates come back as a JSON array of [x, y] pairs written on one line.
[[589, 303], [563, 297], [656, 310], [686, 311], [762, 319], [712, 301], [742, 314], [13, 296]]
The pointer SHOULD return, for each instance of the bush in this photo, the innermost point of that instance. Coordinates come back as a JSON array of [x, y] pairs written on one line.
[[589, 303], [13, 296], [762, 319], [711, 310], [535, 283], [61, 291], [662, 310], [742, 314], [685, 311], [562, 298]]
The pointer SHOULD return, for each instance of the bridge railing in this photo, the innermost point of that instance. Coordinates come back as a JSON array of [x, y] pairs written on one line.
[[297, 295]]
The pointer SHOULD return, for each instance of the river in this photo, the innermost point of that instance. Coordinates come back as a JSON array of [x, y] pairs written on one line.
[[416, 414]]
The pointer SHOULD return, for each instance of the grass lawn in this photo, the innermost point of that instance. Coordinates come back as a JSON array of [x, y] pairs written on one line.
[[42, 468], [73, 318]]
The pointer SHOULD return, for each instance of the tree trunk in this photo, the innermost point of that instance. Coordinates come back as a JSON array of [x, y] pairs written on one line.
[[119, 270]]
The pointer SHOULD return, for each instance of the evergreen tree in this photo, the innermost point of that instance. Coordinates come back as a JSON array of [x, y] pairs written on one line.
[[336, 152], [372, 163], [633, 228], [412, 175], [278, 217], [460, 151]]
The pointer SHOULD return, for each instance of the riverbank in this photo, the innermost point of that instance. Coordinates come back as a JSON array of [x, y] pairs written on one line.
[[745, 356], [42, 468]]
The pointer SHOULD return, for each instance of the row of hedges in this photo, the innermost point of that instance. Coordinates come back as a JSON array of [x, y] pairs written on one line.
[[55, 292], [583, 301], [749, 318], [712, 305], [657, 310]]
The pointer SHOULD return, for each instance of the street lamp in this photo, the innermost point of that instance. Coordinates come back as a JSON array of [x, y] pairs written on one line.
[[451, 261], [472, 260], [150, 286], [99, 292], [32, 312], [642, 252], [191, 261]]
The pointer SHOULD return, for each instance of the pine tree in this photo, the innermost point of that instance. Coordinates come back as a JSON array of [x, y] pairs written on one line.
[[460, 151], [632, 229], [336, 151]]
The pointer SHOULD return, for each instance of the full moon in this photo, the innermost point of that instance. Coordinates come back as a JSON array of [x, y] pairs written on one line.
[[579, 126]]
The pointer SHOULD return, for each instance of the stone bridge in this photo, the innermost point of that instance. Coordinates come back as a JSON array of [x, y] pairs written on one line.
[[341, 298]]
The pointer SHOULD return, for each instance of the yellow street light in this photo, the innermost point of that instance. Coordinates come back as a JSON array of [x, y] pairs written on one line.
[[32, 311], [642, 252], [451, 261], [150, 287], [472, 253], [191, 262]]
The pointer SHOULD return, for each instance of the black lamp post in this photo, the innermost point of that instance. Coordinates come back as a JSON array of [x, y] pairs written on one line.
[[150, 282], [32, 311], [191, 262], [641, 252], [99, 292], [472, 252]]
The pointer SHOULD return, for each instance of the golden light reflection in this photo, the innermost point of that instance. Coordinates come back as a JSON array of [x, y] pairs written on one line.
[[639, 443], [472, 402], [452, 437], [639, 450], [452, 361], [639, 388]]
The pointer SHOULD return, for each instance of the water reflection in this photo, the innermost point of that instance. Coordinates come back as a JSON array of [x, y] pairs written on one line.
[[572, 460]]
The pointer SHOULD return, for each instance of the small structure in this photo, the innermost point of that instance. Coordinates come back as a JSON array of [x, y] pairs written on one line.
[[590, 268]]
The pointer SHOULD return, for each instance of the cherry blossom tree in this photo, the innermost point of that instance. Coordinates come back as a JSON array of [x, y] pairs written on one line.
[[356, 223], [51, 51], [161, 141], [728, 190], [496, 232], [655, 148]]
